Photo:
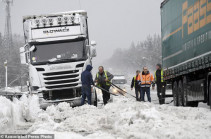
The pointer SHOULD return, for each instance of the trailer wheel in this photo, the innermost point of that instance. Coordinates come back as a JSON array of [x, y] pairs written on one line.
[[175, 93], [180, 93]]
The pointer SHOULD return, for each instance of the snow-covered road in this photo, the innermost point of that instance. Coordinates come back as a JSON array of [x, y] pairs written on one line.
[[124, 118]]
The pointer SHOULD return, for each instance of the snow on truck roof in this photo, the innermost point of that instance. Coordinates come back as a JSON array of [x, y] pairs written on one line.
[[83, 12]]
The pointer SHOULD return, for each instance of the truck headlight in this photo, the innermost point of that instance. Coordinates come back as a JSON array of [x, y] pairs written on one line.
[[50, 20], [44, 21], [66, 19], [59, 20], [72, 18], [37, 22]]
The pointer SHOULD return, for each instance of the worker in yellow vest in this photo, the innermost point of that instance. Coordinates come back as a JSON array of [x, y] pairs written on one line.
[[161, 85], [103, 79], [135, 84]]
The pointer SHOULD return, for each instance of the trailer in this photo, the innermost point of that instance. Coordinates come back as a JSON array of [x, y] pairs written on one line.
[[186, 50], [56, 52]]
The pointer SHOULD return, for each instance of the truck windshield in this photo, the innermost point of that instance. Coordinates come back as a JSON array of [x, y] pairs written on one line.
[[57, 52]]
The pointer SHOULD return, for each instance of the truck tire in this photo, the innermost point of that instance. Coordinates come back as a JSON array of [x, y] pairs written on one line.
[[180, 93], [175, 93]]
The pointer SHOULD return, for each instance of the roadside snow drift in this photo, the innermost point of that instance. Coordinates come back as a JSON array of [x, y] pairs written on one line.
[[122, 119], [16, 113]]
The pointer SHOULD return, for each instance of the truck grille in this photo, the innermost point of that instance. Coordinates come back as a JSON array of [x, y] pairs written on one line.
[[60, 73], [61, 86], [61, 79], [61, 82]]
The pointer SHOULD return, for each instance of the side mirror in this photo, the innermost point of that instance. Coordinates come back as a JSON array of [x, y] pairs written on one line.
[[93, 43], [93, 52], [23, 55]]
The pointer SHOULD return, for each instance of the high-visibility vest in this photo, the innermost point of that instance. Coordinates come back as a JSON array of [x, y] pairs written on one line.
[[138, 79], [107, 83], [161, 76], [147, 79], [134, 81]]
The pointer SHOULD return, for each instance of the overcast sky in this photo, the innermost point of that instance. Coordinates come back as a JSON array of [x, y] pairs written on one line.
[[112, 23]]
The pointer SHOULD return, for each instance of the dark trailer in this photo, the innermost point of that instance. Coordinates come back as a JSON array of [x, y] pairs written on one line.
[[186, 50]]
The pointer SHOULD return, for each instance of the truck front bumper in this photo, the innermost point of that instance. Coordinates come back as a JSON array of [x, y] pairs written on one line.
[[73, 102]]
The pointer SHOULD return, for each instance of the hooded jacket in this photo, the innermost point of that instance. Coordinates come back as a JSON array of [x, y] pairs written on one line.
[[86, 76]]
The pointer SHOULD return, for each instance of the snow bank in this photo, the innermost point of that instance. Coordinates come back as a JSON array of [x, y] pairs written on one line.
[[125, 118], [122, 119], [17, 112]]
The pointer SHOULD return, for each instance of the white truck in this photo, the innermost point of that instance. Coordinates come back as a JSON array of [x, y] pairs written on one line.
[[56, 52]]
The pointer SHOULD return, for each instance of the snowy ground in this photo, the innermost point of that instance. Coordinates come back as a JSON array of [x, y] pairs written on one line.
[[123, 119]]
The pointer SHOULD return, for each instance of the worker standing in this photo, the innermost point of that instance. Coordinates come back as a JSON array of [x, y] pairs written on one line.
[[135, 84], [87, 81], [103, 79], [146, 81], [161, 85]]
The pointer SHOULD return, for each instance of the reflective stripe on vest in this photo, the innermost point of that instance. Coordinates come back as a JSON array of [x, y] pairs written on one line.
[[107, 83], [161, 76], [146, 81], [134, 81]]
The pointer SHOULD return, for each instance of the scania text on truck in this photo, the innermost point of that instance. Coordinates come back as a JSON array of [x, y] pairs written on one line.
[[56, 52]]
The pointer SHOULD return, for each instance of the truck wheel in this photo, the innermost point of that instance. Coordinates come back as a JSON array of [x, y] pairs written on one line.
[[180, 93], [175, 94], [95, 101]]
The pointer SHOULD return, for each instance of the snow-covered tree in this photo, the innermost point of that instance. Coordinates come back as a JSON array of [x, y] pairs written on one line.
[[144, 53]]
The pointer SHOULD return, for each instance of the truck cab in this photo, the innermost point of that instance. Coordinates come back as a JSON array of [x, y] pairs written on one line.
[[56, 52]]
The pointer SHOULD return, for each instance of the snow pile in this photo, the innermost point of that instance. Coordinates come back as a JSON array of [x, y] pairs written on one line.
[[125, 118], [17, 112], [5, 113]]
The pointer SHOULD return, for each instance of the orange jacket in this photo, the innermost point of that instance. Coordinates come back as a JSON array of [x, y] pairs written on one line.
[[146, 79], [138, 77]]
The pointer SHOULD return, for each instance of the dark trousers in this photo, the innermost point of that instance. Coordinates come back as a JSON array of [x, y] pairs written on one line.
[[86, 93], [138, 93], [106, 95], [147, 91], [161, 89]]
